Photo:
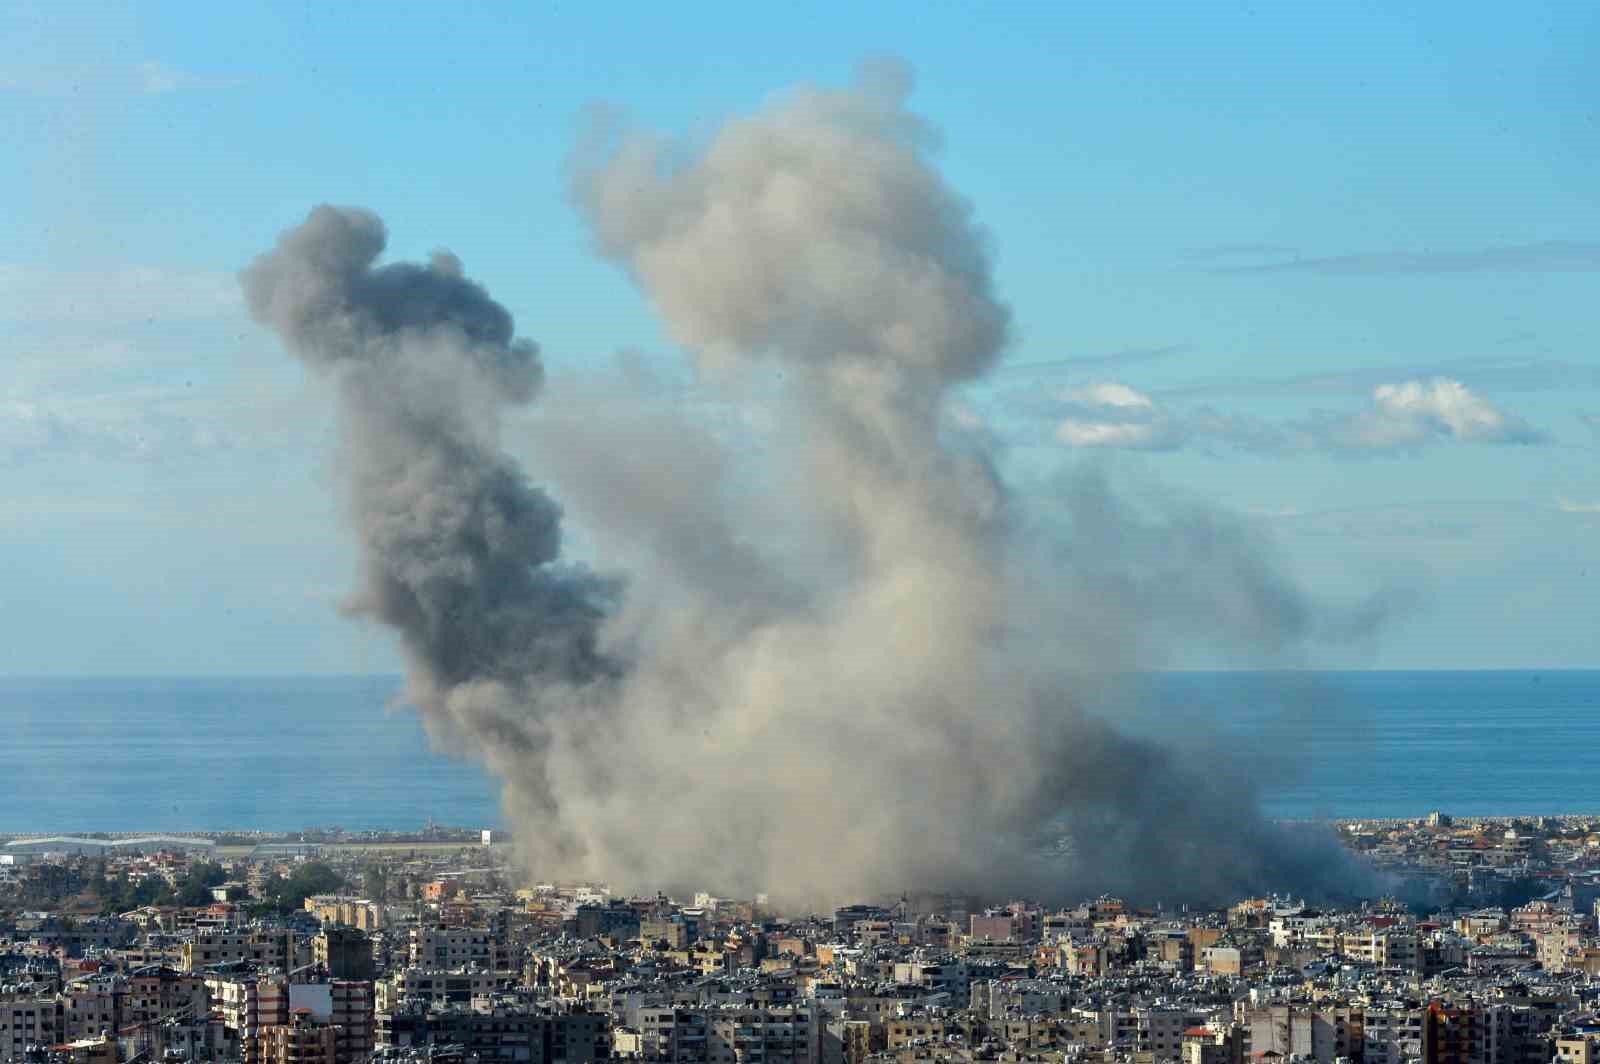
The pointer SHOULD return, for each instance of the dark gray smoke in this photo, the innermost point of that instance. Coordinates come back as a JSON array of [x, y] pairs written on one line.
[[849, 661], [460, 554]]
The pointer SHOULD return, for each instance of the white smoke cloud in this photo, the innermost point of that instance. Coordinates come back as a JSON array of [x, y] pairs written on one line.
[[847, 662]]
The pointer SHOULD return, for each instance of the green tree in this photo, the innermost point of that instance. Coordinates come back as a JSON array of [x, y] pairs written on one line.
[[195, 887], [313, 877]]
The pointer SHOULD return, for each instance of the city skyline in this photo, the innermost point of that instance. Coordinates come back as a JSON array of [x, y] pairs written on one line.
[[830, 534]]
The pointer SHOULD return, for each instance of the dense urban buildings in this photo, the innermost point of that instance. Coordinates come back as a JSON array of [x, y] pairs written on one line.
[[338, 949]]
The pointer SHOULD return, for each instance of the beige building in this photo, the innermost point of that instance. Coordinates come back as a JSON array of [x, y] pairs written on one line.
[[245, 1006], [914, 1029], [453, 947], [114, 1003], [1581, 1049], [435, 987], [725, 1035], [303, 1040], [992, 927], [25, 1021], [1204, 1045], [269, 949], [341, 909]]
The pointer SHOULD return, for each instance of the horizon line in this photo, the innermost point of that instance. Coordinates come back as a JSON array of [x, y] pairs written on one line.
[[6, 677]]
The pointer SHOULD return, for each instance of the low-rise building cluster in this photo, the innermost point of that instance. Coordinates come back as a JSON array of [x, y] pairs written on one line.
[[291, 952]]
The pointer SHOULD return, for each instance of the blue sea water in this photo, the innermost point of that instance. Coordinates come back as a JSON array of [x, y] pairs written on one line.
[[284, 754], [217, 754], [1400, 744]]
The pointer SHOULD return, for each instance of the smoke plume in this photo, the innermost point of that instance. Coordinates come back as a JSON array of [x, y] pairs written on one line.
[[846, 662]]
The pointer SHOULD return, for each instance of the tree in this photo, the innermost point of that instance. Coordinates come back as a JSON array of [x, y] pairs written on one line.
[[313, 877], [195, 887], [123, 894]]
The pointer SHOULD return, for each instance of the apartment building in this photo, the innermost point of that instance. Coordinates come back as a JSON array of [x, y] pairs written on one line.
[[453, 947], [303, 1040], [788, 1035], [26, 1020], [433, 988], [266, 949]]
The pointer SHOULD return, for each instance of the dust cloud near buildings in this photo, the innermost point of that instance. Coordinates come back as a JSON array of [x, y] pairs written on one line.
[[844, 661]]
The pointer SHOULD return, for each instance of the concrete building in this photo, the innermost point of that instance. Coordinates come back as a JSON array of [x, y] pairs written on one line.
[[731, 1033], [245, 1005], [131, 1003], [360, 913], [616, 919], [266, 949], [1305, 1031], [1205, 1045], [1173, 948], [303, 1040], [498, 1032], [452, 947], [345, 1005], [28, 1020], [495, 1035], [674, 930], [1451, 1035], [343, 953], [993, 927], [1161, 1030], [1391, 1034], [433, 988], [1578, 1049]]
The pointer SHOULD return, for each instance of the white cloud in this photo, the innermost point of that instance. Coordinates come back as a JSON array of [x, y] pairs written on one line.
[[1412, 412], [1573, 506], [1401, 415], [1110, 393], [148, 424], [96, 427], [1146, 436], [1109, 414], [119, 294]]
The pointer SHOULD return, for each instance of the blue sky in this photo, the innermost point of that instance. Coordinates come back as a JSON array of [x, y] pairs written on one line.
[[1333, 269]]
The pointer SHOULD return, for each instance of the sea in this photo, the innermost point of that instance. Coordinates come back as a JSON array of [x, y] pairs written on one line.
[[285, 754]]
